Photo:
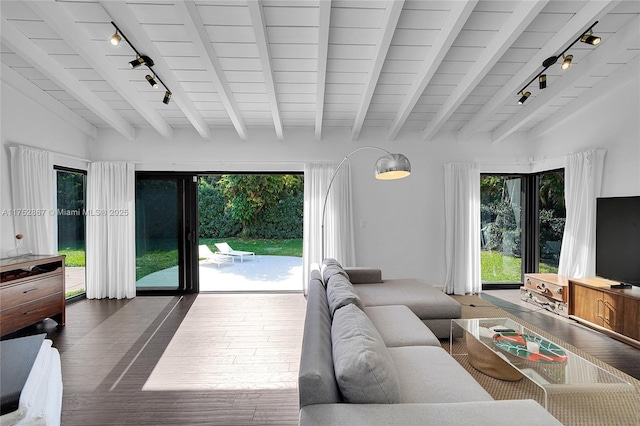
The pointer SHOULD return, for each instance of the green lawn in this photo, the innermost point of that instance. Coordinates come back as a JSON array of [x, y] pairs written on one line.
[[497, 268], [75, 257]]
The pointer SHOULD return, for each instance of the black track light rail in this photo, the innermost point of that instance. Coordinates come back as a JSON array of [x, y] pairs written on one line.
[[140, 55], [553, 59]]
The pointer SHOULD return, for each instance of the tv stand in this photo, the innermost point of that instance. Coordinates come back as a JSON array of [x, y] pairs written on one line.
[[614, 311]]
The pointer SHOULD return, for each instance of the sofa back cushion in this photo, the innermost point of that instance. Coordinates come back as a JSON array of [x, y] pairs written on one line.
[[340, 292], [364, 369], [331, 267], [316, 378]]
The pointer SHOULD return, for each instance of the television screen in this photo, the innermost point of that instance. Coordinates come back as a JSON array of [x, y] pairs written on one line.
[[618, 239]]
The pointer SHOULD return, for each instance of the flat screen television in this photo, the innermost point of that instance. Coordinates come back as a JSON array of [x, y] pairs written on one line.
[[618, 239]]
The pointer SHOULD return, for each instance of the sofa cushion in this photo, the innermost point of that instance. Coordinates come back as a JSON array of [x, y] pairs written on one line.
[[340, 292], [428, 374], [363, 275], [363, 366], [398, 326], [331, 267], [316, 379]]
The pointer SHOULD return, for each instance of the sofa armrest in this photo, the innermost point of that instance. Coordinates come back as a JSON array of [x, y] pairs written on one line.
[[364, 275], [489, 413]]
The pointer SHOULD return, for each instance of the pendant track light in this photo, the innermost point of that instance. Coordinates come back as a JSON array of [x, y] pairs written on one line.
[[542, 81], [524, 97], [141, 60], [151, 81], [586, 37], [589, 38], [115, 39]]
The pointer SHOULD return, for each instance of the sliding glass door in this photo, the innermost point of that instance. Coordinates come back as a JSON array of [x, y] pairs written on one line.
[[165, 233]]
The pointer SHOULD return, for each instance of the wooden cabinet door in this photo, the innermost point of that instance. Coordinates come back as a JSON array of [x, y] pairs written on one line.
[[612, 311], [631, 318], [587, 304]]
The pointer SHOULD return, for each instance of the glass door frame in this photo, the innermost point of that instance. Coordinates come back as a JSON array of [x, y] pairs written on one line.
[[188, 231]]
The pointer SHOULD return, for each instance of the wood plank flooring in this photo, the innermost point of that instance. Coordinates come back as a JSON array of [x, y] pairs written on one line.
[[216, 359]]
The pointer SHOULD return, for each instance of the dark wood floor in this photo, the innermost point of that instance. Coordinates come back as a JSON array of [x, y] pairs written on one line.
[[216, 359]]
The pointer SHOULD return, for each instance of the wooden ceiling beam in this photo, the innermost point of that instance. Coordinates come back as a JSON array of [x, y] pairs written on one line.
[[49, 67], [519, 20], [323, 49], [460, 12], [389, 22], [262, 40], [195, 27]]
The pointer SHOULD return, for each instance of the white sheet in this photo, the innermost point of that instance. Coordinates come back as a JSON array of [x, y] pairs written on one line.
[[41, 398]]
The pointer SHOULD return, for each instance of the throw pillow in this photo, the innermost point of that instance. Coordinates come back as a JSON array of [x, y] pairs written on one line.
[[362, 363], [340, 292], [331, 267]]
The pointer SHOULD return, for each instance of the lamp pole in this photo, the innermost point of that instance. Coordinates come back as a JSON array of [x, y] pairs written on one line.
[[395, 163]]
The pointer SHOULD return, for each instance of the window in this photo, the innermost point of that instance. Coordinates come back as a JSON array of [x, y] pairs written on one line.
[[70, 208], [521, 220]]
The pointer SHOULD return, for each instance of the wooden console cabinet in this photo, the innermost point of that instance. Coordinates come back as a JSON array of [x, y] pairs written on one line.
[[31, 289], [616, 312]]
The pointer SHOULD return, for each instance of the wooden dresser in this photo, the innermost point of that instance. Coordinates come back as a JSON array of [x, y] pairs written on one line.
[[549, 291], [613, 311], [31, 289]]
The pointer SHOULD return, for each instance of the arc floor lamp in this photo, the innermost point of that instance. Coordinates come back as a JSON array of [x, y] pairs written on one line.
[[388, 167]]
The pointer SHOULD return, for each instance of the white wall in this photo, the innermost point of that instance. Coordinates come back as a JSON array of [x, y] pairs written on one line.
[[24, 122], [404, 220]]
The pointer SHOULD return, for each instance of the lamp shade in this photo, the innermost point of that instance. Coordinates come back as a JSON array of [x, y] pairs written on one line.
[[392, 166]]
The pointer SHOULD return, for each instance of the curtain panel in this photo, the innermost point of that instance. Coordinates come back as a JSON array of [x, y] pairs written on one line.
[[582, 185], [32, 196], [111, 257], [338, 228], [462, 228]]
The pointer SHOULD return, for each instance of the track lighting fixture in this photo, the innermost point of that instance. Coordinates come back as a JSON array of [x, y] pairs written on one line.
[[589, 38], [151, 81], [141, 60], [566, 63], [542, 81], [586, 37], [524, 97], [115, 39]]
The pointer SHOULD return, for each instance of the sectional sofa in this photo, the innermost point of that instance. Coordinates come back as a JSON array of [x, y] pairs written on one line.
[[382, 365]]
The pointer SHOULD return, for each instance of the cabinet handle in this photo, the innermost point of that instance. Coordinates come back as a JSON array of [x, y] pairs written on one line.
[[30, 312], [30, 290], [598, 308]]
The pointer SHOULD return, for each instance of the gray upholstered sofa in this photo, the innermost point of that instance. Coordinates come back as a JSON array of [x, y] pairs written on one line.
[[381, 365]]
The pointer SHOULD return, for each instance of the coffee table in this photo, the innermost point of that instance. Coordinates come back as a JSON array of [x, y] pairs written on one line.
[[555, 369]]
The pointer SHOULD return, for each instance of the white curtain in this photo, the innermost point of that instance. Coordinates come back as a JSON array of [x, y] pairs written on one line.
[[111, 258], [582, 184], [462, 228], [338, 219], [32, 196]]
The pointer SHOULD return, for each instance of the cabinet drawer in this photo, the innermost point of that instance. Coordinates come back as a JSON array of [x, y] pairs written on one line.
[[16, 318], [31, 290], [554, 290]]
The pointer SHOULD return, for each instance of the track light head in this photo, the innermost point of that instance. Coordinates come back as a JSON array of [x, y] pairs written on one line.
[[589, 38], [524, 97], [115, 39], [542, 81], [566, 63], [167, 98], [141, 60], [152, 81]]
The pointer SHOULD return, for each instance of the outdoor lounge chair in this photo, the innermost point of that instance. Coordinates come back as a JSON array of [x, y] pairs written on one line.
[[225, 249], [205, 253]]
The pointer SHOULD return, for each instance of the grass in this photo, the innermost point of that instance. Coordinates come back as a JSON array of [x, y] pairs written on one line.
[[75, 257], [497, 268]]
